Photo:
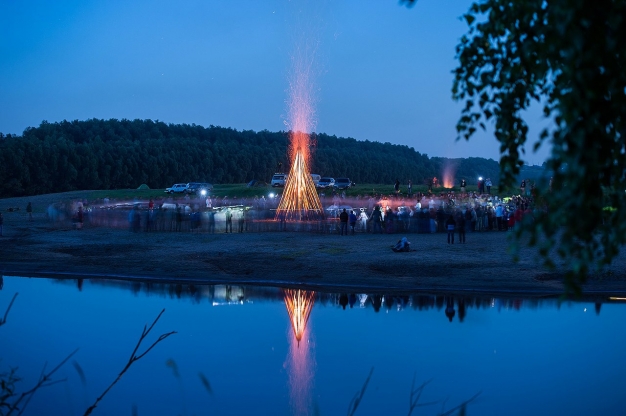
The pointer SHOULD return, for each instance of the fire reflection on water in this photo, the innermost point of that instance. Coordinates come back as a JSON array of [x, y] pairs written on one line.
[[300, 363]]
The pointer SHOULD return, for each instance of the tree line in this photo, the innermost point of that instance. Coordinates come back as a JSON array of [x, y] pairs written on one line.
[[118, 154]]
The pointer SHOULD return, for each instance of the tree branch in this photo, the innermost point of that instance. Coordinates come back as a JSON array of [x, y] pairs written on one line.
[[45, 380], [133, 358], [4, 319], [354, 403]]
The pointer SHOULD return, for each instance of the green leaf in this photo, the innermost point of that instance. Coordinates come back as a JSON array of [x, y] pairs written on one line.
[[469, 19]]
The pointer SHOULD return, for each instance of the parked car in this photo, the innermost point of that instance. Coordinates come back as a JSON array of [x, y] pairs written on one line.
[[343, 183], [178, 188], [278, 179], [198, 187], [326, 182]]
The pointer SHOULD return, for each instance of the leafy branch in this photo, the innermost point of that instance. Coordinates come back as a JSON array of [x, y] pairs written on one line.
[[133, 358]]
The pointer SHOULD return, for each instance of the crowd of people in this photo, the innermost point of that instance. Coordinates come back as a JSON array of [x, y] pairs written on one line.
[[445, 212]]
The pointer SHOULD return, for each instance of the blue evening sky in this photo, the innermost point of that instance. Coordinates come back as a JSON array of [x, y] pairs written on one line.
[[382, 71]]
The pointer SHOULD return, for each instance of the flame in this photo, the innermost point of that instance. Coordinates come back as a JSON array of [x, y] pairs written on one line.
[[300, 360], [448, 176], [299, 304]]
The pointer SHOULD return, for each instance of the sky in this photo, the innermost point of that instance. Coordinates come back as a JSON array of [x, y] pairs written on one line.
[[381, 71]]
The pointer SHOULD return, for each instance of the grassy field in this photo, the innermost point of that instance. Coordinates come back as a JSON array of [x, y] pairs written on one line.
[[40, 202], [231, 190]]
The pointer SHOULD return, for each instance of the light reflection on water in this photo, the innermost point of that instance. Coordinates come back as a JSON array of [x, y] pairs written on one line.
[[527, 356]]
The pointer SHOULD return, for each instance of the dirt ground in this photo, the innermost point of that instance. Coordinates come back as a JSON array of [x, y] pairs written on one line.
[[363, 261]]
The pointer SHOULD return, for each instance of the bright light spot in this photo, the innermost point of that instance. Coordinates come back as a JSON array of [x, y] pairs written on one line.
[[480, 178], [585, 310], [272, 195], [203, 192]]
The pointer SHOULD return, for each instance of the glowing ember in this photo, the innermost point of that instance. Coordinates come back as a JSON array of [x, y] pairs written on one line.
[[299, 304]]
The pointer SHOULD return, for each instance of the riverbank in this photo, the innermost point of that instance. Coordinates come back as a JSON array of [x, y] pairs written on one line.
[[363, 261]]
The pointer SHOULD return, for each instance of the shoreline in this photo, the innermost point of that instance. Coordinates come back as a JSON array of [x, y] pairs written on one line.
[[304, 259], [363, 262], [321, 287]]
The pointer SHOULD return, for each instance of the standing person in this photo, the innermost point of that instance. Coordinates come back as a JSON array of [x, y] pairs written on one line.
[[363, 220], [229, 220], [211, 221], [450, 224], [522, 187], [460, 225], [136, 219], [474, 220], [1, 223], [488, 184], [352, 221], [343, 220], [463, 185], [396, 187], [409, 189], [499, 215], [79, 217], [377, 219], [179, 218], [242, 219], [29, 209]]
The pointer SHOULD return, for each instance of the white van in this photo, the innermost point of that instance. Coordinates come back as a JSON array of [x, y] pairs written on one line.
[[278, 179], [316, 178]]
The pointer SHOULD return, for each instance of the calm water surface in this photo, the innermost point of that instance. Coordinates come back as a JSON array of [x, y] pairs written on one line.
[[281, 352]]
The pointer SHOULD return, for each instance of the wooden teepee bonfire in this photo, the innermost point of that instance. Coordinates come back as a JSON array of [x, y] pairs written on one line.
[[299, 200]]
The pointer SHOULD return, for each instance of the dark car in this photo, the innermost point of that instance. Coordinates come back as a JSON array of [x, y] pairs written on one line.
[[343, 183], [326, 182], [198, 187]]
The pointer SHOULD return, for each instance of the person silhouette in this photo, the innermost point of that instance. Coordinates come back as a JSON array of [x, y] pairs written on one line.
[[450, 312], [377, 302], [351, 300], [229, 220], [462, 312], [343, 300]]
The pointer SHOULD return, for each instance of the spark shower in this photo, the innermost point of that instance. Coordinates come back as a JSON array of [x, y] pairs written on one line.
[[299, 200]]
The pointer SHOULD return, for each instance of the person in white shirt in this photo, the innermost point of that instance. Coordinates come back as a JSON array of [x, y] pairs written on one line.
[[499, 215]]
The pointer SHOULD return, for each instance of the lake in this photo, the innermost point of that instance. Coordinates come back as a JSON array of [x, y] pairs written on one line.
[[265, 350]]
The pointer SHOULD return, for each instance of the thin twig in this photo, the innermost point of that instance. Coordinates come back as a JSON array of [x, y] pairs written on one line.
[[45, 380], [465, 403], [354, 403], [133, 357], [416, 393], [4, 320]]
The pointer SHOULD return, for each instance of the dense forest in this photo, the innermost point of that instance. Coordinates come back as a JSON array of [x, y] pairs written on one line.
[[113, 154]]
